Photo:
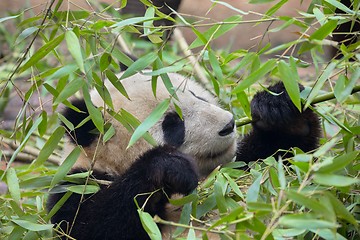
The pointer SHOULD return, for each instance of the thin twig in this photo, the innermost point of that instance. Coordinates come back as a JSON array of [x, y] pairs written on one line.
[[187, 52]]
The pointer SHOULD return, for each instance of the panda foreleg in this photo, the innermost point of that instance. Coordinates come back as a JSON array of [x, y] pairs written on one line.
[[111, 213], [278, 124]]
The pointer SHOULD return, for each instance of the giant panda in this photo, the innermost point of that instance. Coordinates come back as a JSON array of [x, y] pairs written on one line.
[[189, 148]]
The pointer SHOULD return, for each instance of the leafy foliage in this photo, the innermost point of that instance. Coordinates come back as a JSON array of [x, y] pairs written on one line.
[[309, 196]]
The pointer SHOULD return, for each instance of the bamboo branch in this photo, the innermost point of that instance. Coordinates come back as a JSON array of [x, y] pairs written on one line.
[[322, 98]]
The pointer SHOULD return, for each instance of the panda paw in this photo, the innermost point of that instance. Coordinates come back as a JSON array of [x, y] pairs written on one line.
[[171, 170], [274, 112]]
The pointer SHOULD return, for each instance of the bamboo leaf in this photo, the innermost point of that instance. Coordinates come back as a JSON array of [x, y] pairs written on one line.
[[338, 163], [84, 189], [334, 180], [74, 48], [94, 112], [289, 77], [13, 185], [42, 52], [305, 221], [307, 201], [25, 33], [320, 83], [154, 116], [253, 191], [255, 76], [65, 166], [216, 31], [32, 226], [116, 83], [73, 86], [149, 225], [140, 64], [51, 144]]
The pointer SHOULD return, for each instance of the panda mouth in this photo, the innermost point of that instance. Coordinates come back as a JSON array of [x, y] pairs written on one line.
[[218, 154]]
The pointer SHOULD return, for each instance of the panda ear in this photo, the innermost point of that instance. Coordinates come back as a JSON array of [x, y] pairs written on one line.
[[82, 135]]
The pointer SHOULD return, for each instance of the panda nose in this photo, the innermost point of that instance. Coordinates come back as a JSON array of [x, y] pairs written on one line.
[[228, 129]]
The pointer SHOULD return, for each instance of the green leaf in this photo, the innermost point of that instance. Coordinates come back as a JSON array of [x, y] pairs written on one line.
[[132, 21], [51, 144], [253, 191], [324, 30], [32, 226], [57, 206], [109, 134], [260, 1], [340, 6], [340, 209], [216, 31], [319, 15], [43, 125], [320, 83], [229, 6], [65, 166], [275, 8], [25, 33], [116, 83], [105, 61], [325, 148], [334, 180], [140, 64], [153, 118], [102, 90], [338, 163], [220, 186], [149, 225], [307, 201], [13, 185], [22, 144], [214, 62], [72, 15], [74, 48], [8, 18], [305, 221], [169, 69], [73, 86], [344, 87], [281, 174], [289, 77], [244, 101], [94, 113], [255, 76], [184, 200], [84, 189], [63, 71], [42, 52], [234, 186]]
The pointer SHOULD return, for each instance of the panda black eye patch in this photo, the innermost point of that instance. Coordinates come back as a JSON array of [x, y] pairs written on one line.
[[174, 129], [202, 99]]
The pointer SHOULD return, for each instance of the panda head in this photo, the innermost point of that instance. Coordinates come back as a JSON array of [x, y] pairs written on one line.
[[206, 131]]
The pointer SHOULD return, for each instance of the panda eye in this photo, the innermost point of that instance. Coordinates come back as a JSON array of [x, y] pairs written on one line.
[[202, 99]]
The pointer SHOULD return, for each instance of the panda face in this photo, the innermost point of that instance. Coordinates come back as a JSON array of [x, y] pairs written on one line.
[[206, 132]]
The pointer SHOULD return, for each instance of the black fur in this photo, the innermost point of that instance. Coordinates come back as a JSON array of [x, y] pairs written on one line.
[[81, 135], [111, 213], [174, 129], [345, 33], [278, 124]]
